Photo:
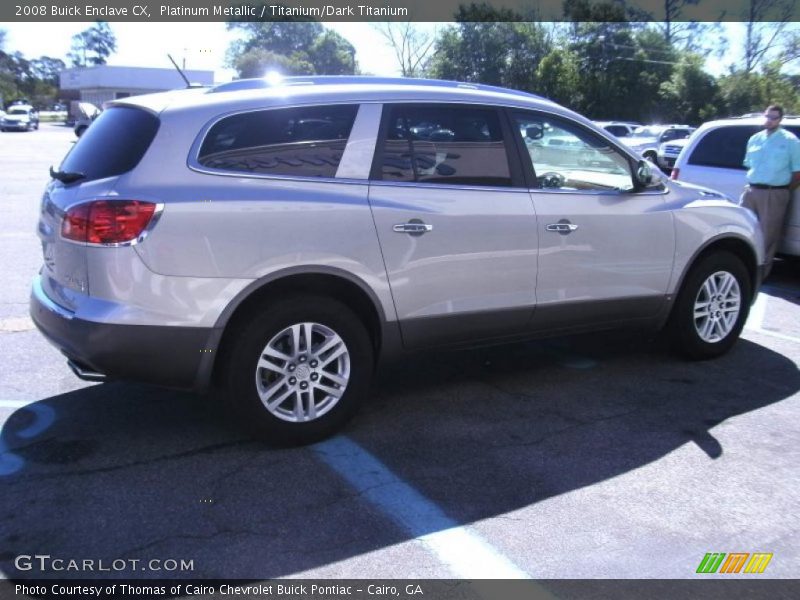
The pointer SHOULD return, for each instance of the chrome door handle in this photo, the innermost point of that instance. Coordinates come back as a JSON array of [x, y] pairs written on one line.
[[562, 227], [413, 227]]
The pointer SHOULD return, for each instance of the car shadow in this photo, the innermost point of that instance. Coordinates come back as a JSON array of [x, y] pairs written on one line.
[[784, 280], [122, 471]]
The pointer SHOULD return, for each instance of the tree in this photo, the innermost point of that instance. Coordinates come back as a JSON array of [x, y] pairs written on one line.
[[762, 38], [281, 37], [690, 95], [619, 62], [750, 92], [491, 46], [47, 69], [93, 46], [559, 78], [412, 47], [291, 48], [331, 54], [257, 62]]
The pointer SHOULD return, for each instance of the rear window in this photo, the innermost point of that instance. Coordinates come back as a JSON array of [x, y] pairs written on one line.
[[114, 144], [725, 147], [303, 142]]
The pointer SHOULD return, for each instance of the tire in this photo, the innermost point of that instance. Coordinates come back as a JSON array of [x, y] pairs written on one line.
[[711, 333], [279, 419], [80, 130]]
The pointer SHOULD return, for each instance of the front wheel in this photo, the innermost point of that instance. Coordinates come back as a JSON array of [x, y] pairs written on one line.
[[299, 370], [712, 307]]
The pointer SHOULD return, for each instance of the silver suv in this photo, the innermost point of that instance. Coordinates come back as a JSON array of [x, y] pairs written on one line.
[[273, 241]]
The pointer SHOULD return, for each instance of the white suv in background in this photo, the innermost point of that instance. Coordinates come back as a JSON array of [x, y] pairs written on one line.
[[713, 158], [646, 139]]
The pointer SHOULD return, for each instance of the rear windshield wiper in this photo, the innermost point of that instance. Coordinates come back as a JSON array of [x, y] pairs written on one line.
[[66, 176]]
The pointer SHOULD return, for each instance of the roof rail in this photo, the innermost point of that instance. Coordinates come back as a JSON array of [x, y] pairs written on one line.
[[261, 83]]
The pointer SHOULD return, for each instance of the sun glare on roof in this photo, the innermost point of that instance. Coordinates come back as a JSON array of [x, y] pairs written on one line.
[[273, 77]]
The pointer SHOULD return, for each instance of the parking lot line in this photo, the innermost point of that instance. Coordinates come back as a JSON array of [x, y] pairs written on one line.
[[755, 321], [466, 553], [15, 403]]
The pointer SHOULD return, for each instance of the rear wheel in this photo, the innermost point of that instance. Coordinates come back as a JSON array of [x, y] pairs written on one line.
[[712, 307], [299, 369]]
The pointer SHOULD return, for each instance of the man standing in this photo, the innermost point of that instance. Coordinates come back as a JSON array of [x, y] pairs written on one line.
[[773, 172]]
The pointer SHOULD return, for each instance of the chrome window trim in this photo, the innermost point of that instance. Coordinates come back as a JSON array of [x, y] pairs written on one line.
[[602, 192], [448, 186]]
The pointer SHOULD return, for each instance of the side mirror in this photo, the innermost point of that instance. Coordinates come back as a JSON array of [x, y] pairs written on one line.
[[534, 132], [644, 174]]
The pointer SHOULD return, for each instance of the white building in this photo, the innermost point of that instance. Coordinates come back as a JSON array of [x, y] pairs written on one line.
[[103, 83]]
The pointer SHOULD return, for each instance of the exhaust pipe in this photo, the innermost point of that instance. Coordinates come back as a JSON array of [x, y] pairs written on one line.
[[84, 373]]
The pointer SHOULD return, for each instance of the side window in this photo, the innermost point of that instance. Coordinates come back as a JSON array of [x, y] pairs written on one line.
[[567, 157], [458, 145], [305, 141], [617, 130], [724, 147]]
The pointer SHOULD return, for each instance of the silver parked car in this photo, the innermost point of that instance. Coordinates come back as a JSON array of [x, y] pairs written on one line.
[[273, 241]]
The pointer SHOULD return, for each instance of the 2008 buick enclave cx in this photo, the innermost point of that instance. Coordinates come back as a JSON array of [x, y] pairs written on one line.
[[273, 241]]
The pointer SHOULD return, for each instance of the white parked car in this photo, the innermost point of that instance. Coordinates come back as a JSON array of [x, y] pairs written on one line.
[[20, 117], [646, 139], [713, 158], [668, 153], [617, 128]]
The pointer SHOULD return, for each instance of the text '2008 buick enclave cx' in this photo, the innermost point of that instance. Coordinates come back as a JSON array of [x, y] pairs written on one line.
[[273, 241]]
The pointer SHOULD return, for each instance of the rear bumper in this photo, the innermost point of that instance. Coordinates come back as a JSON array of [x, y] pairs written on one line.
[[178, 357]]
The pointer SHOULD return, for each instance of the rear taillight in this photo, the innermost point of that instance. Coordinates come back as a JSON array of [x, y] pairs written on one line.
[[107, 221], [674, 174]]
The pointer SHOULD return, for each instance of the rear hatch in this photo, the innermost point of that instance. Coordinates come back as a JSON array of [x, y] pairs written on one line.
[[114, 145]]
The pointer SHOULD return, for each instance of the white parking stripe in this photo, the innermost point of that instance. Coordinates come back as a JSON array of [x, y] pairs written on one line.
[[757, 312], [466, 553], [755, 321], [15, 403]]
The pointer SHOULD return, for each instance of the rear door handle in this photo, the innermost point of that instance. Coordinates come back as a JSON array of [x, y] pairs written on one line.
[[562, 227], [413, 227]]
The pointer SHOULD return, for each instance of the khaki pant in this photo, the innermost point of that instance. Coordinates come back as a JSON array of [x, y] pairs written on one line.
[[770, 207]]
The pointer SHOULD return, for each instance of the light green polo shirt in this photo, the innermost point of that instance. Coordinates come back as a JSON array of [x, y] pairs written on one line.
[[771, 159]]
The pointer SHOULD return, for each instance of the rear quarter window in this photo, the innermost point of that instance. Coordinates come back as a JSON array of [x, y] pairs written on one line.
[[113, 145], [302, 142]]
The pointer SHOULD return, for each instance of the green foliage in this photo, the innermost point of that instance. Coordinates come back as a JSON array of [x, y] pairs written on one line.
[[690, 95], [93, 46], [559, 78], [291, 48], [744, 92], [487, 46]]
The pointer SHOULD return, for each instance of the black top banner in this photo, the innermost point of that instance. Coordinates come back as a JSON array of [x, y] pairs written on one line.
[[395, 10]]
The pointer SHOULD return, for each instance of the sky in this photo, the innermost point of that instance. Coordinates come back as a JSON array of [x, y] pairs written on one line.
[[203, 45]]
